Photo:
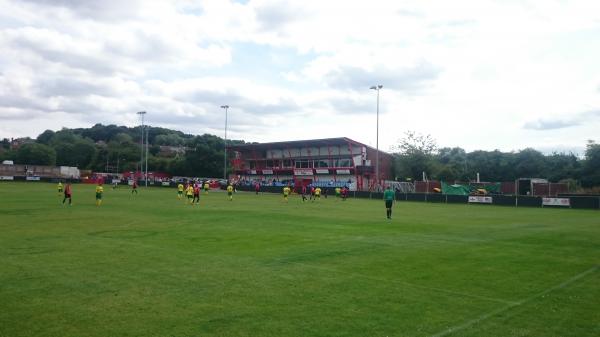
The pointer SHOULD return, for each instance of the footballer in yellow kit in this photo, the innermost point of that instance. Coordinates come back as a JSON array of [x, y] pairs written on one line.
[[318, 193], [190, 193], [230, 192], [179, 191], [99, 191], [286, 192]]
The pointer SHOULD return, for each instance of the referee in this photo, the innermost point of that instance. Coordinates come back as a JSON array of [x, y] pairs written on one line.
[[389, 196]]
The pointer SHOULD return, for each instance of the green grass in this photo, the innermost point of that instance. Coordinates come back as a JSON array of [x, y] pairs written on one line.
[[149, 265]]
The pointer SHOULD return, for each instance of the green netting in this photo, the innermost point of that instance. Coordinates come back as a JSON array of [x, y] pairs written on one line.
[[458, 189], [493, 188], [455, 189]]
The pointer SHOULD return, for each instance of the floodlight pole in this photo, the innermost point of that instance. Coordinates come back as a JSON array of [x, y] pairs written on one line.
[[142, 113], [146, 176], [377, 88], [226, 107]]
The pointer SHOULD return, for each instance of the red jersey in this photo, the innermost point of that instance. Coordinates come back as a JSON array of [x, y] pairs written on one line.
[[196, 189], [68, 189], [303, 189], [134, 184]]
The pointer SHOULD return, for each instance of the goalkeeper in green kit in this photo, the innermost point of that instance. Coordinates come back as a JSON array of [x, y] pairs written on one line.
[[389, 197]]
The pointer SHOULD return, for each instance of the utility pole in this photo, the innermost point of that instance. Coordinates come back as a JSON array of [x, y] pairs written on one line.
[[142, 113], [147, 131], [226, 107], [377, 88]]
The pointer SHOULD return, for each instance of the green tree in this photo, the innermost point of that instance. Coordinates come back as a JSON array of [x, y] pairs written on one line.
[[158, 164], [178, 167], [64, 135], [7, 154], [105, 133], [169, 139], [72, 149], [5, 143], [561, 166], [120, 150], [205, 155], [122, 138], [413, 142], [45, 137], [415, 155], [591, 166], [154, 150], [491, 165], [35, 154], [529, 163], [453, 164]]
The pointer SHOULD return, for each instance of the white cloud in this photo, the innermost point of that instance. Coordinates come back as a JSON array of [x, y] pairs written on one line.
[[455, 70], [543, 124]]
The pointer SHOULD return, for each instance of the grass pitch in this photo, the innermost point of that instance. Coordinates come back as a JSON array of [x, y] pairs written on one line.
[[150, 265]]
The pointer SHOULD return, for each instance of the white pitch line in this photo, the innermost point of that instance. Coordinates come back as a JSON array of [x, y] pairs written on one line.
[[516, 304]]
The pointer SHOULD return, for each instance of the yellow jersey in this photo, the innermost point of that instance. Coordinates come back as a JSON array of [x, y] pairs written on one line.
[[99, 189], [190, 190], [338, 190], [229, 189], [206, 186], [286, 191], [59, 186], [318, 191], [180, 187]]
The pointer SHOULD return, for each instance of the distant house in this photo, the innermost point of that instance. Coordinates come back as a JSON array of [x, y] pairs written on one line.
[[17, 142]]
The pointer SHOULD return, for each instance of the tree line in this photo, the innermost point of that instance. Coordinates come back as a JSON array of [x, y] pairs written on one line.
[[112, 148], [416, 153]]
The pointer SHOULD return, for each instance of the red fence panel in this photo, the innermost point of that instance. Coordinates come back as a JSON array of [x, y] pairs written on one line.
[[427, 186]]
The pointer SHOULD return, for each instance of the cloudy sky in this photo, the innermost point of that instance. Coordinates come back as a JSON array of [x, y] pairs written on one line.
[[480, 74]]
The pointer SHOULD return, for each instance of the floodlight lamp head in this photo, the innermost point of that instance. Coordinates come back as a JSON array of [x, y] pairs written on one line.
[[380, 86], [141, 112], [225, 106], [373, 87]]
